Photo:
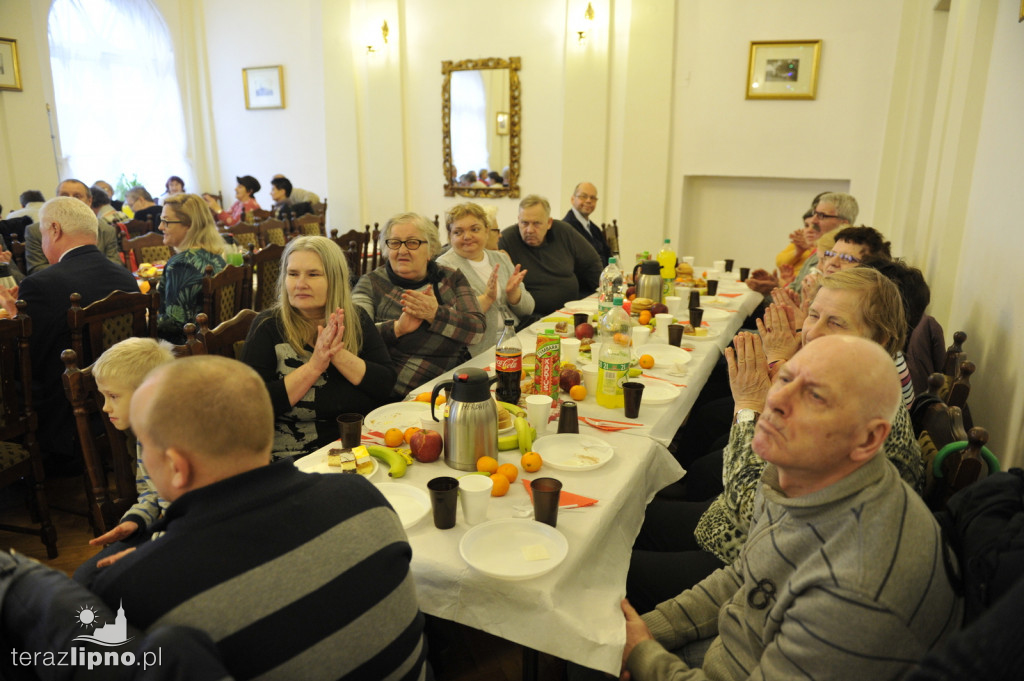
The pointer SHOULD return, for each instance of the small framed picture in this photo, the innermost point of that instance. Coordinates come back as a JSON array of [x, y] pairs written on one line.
[[501, 122], [10, 72], [783, 69], [264, 87]]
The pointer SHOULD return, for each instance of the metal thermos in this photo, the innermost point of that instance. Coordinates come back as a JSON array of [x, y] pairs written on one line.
[[648, 284], [471, 426]]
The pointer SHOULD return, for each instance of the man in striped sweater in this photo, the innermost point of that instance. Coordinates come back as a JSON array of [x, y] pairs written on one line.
[[842, 574]]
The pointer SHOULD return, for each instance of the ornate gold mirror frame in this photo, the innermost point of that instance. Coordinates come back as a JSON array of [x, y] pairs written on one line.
[[511, 125]]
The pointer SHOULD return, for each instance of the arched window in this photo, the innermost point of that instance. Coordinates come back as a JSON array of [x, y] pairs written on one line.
[[117, 100]]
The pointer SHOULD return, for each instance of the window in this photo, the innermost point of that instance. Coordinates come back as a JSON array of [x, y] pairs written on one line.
[[469, 122], [117, 99]]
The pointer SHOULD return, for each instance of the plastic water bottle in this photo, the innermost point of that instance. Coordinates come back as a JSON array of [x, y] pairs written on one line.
[[611, 283], [613, 363], [667, 260]]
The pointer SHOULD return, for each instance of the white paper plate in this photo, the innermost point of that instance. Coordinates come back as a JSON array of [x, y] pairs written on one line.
[[665, 356], [317, 462], [549, 323], [655, 392], [732, 286], [496, 548], [588, 305], [410, 503], [712, 334], [711, 314], [574, 452], [399, 415]]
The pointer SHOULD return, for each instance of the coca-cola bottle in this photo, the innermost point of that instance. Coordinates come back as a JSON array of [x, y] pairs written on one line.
[[508, 362]]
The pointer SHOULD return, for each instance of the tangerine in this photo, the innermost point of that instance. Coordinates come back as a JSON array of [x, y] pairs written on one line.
[[487, 464], [509, 470], [622, 339], [646, 361], [531, 462], [441, 399], [645, 317], [409, 432], [423, 397], [578, 392], [394, 437], [501, 485], [143, 286]]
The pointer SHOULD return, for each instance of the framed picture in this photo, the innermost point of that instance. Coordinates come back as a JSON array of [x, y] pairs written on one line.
[[264, 87], [1021, 12], [783, 69], [10, 73], [501, 124]]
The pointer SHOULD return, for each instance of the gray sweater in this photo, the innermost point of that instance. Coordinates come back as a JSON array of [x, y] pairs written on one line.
[[844, 583]]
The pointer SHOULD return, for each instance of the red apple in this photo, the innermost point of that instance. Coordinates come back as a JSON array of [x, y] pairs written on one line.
[[426, 445], [659, 308], [584, 330], [568, 378]]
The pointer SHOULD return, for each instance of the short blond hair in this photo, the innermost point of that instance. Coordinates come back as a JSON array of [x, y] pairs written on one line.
[[880, 304], [195, 214], [127, 363], [459, 211], [209, 405]]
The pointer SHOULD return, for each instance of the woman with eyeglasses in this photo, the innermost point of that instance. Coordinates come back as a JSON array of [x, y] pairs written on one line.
[[427, 313], [319, 354], [190, 232], [498, 285]]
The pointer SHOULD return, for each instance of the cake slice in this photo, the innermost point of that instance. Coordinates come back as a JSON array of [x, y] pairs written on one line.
[[344, 459]]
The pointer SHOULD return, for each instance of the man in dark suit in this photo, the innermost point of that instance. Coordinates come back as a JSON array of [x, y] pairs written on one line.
[[584, 201], [68, 234], [107, 235]]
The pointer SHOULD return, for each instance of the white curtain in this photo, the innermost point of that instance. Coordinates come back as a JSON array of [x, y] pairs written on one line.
[[469, 121], [117, 100]]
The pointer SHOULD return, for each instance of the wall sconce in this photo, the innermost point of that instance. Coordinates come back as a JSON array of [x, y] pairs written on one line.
[[384, 31], [581, 35]]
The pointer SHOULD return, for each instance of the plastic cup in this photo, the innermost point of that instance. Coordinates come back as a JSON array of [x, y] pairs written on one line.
[[570, 350], [688, 259], [580, 318], [674, 304], [350, 428], [538, 410], [236, 259], [632, 393], [696, 316], [694, 298], [640, 335], [712, 287], [590, 378], [661, 323], [475, 494], [444, 497], [568, 418], [675, 334], [728, 264], [718, 265], [546, 493], [744, 273]]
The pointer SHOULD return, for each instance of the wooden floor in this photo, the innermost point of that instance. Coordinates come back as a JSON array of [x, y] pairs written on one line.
[[458, 653]]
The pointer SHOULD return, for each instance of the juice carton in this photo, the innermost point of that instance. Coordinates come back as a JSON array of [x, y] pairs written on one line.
[[549, 350]]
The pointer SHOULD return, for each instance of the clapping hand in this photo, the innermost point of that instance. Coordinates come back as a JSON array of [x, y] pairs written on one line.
[[748, 371], [328, 342], [513, 292], [789, 300], [9, 299], [761, 281], [419, 304], [491, 290], [779, 337], [796, 237]]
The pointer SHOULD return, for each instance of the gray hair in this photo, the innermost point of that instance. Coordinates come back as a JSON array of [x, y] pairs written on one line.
[[138, 192], [846, 205], [427, 230], [74, 217], [535, 200]]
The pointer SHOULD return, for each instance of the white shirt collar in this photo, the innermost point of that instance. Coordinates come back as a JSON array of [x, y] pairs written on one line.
[[579, 216]]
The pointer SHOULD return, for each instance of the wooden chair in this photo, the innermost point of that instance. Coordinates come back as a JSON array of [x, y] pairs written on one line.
[[273, 232], [140, 227], [219, 196], [245, 235], [19, 450], [374, 258], [320, 208], [227, 293], [310, 225], [18, 255], [267, 265], [228, 338], [354, 244], [107, 502], [192, 341], [611, 235], [260, 215], [97, 326], [147, 248]]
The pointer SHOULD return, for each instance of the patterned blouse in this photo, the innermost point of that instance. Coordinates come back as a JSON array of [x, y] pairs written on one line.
[[181, 291]]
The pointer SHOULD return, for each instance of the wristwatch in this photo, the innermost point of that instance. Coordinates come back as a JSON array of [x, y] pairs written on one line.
[[746, 416]]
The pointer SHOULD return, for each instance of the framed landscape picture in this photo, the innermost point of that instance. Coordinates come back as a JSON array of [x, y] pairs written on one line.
[[264, 87], [10, 73], [783, 69]]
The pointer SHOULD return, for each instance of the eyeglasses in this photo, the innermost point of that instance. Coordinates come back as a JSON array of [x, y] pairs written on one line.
[[411, 244], [586, 197], [170, 222], [822, 216], [845, 257]]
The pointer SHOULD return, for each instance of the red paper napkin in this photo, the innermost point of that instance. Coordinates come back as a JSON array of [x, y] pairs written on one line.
[[730, 295], [565, 498]]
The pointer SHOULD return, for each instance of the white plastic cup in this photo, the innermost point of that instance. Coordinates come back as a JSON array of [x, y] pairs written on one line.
[[640, 335], [674, 303], [570, 350], [474, 496], [590, 378], [688, 259], [538, 411], [661, 324], [718, 265]]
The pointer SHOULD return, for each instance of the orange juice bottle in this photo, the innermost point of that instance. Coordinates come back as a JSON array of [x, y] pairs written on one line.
[[545, 376]]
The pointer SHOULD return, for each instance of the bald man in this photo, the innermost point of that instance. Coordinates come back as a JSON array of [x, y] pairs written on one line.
[[843, 566], [291, 574], [584, 201]]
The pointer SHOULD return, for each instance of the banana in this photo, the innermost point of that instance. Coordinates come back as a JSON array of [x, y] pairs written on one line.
[[513, 409], [525, 434], [406, 454], [393, 459], [508, 441]]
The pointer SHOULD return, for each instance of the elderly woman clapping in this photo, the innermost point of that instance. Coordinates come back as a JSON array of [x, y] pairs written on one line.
[[427, 313]]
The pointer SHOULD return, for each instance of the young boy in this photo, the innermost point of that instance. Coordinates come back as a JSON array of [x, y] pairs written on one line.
[[118, 372]]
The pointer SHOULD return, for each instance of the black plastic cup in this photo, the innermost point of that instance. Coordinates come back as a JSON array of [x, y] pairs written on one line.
[[728, 264], [444, 498], [350, 428], [694, 298], [744, 273], [712, 287], [546, 493], [632, 393], [696, 316], [568, 418], [580, 318], [675, 334]]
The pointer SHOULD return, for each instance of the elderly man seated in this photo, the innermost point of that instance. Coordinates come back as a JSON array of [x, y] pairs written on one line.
[[292, 575], [561, 264], [843, 566]]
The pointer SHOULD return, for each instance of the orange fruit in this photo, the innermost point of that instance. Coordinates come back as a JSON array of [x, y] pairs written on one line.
[[409, 432], [509, 470], [423, 397], [645, 317], [441, 399], [143, 286], [531, 462], [622, 339], [487, 464], [646, 361], [578, 393], [394, 437], [501, 485]]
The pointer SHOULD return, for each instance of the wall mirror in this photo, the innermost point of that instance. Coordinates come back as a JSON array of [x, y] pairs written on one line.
[[480, 125]]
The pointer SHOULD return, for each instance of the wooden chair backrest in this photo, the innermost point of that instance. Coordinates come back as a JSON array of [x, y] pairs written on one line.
[[227, 292], [320, 208], [147, 248], [267, 265], [120, 315], [140, 228], [245, 235], [273, 232], [260, 215], [374, 258], [353, 244], [228, 338], [611, 235], [310, 225], [18, 254]]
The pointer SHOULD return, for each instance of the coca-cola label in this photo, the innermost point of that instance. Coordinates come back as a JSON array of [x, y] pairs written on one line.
[[510, 363]]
